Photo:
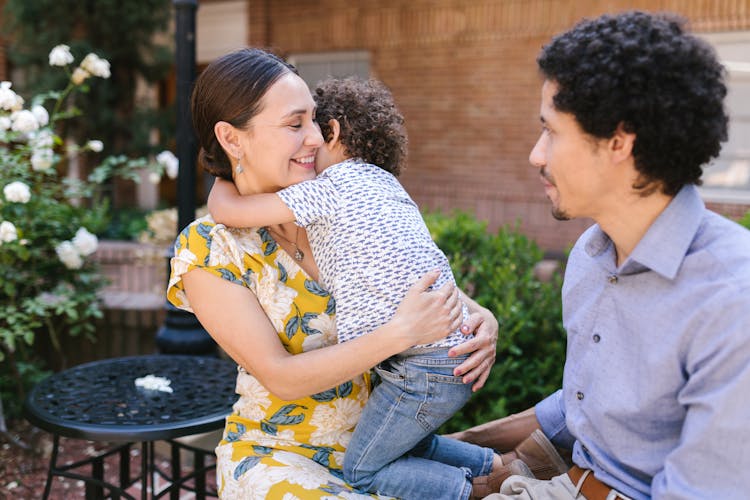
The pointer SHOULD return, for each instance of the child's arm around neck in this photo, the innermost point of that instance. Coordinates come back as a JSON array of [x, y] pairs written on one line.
[[227, 206]]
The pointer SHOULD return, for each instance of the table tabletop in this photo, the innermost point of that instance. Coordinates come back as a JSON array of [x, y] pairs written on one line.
[[100, 400]]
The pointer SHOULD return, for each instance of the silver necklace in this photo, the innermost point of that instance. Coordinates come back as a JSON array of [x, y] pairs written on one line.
[[298, 254]]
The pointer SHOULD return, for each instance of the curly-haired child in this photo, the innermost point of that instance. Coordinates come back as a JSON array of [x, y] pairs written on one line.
[[371, 243]]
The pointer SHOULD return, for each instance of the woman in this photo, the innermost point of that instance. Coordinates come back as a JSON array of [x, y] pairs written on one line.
[[299, 398]]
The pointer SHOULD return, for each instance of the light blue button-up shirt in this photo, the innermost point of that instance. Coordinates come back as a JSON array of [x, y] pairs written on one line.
[[656, 388]]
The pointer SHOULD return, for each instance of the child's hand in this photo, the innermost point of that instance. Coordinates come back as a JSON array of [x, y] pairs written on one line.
[[429, 315]]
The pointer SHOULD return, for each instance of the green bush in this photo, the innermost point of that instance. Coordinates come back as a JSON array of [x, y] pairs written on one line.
[[745, 220], [497, 270]]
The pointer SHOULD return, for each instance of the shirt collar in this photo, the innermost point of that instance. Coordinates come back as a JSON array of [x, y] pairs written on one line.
[[666, 243]]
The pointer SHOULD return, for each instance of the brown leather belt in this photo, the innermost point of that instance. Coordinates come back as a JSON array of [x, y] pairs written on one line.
[[592, 488]]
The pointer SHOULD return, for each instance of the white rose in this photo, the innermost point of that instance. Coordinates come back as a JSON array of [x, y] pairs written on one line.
[[42, 159], [154, 178], [169, 161], [96, 65], [24, 121], [79, 76], [85, 242], [60, 56], [5, 123], [8, 232], [9, 100], [43, 138], [95, 146], [41, 115], [17, 192], [68, 255]]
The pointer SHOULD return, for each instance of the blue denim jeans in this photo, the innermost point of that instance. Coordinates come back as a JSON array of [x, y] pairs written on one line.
[[394, 450]]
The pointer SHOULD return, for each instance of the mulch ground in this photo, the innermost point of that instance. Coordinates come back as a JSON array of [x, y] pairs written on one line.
[[23, 473]]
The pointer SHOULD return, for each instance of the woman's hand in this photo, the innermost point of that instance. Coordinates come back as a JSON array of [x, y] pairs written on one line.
[[483, 325], [425, 315]]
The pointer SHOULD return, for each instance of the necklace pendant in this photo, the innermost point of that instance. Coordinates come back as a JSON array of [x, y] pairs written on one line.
[[298, 255]]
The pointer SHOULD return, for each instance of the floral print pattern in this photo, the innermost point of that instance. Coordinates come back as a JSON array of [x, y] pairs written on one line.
[[271, 448]]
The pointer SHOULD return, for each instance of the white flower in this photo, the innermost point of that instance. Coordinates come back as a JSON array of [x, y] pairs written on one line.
[[24, 121], [254, 398], [17, 192], [41, 115], [95, 146], [79, 75], [9, 100], [169, 161], [301, 470], [96, 66], [50, 299], [5, 123], [68, 255], [8, 232], [326, 325], [42, 159], [286, 260], [60, 56], [281, 438], [275, 298], [182, 262], [154, 178], [153, 383], [43, 138], [335, 422], [85, 242], [253, 484]]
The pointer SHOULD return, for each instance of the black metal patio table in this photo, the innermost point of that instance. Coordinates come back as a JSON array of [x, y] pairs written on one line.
[[100, 401]]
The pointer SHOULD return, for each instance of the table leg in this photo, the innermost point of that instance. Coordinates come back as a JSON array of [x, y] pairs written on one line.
[[93, 490], [146, 471], [52, 465], [125, 467], [176, 470], [199, 462]]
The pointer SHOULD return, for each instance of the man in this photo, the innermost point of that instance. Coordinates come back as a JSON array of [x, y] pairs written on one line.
[[656, 298]]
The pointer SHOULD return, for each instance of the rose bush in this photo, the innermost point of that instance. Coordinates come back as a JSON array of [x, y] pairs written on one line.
[[49, 218]]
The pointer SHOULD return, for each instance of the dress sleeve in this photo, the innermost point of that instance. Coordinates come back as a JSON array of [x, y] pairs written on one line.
[[310, 201], [233, 255]]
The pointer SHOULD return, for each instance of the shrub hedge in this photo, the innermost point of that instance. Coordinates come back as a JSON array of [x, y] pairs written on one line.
[[497, 270]]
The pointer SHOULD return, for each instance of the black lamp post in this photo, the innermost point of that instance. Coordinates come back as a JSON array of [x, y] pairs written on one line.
[[182, 333]]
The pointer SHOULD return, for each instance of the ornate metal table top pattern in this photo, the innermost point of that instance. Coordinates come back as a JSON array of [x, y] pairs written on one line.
[[100, 400]]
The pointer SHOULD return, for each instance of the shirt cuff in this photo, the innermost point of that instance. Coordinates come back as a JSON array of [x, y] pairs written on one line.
[[550, 412]]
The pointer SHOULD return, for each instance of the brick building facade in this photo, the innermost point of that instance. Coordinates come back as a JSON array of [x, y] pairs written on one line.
[[464, 75]]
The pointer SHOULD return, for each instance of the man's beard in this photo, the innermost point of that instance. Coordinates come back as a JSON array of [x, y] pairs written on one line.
[[557, 212]]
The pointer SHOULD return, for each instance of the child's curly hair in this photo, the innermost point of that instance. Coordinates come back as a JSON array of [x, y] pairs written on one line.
[[372, 128]]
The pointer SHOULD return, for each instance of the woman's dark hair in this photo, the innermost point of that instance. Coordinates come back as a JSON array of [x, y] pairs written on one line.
[[645, 72], [372, 128], [230, 89]]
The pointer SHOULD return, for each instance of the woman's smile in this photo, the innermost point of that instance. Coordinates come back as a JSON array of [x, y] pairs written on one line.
[[307, 162]]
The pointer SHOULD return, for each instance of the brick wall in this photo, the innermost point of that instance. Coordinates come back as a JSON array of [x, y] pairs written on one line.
[[464, 74]]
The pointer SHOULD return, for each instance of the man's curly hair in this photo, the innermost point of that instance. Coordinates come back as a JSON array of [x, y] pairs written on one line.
[[372, 128], [645, 72]]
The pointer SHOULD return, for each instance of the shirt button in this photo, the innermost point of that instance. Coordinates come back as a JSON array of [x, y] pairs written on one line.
[[579, 395], [597, 338], [612, 279]]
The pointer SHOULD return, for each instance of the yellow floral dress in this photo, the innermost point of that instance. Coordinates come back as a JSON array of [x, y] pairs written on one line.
[[271, 448]]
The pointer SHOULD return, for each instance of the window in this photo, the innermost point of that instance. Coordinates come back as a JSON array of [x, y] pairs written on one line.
[[220, 28], [727, 179], [316, 67]]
